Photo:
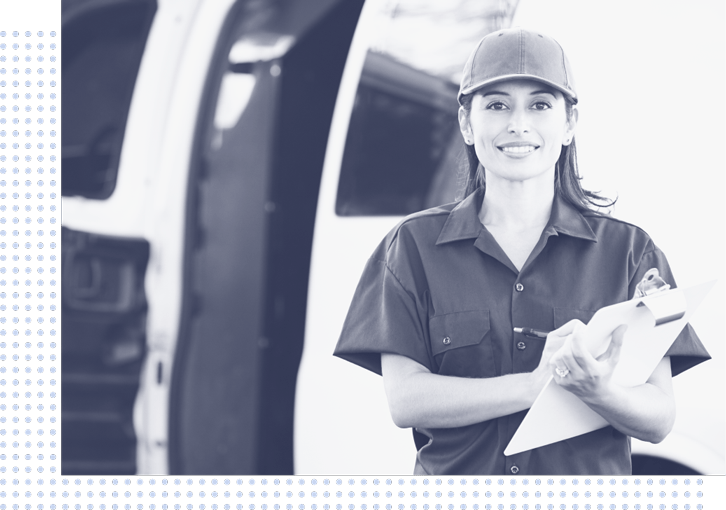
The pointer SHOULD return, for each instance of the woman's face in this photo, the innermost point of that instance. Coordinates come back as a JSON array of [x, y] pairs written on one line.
[[518, 128]]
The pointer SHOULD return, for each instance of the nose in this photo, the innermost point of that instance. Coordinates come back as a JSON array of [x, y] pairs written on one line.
[[518, 122]]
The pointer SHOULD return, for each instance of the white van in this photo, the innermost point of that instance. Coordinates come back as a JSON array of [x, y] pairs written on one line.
[[228, 167], [194, 136]]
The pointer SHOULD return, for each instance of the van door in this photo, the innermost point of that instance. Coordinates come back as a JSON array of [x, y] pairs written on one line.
[[104, 305], [253, 183]]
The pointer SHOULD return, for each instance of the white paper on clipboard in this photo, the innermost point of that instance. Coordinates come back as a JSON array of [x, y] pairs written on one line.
[[653, 322]]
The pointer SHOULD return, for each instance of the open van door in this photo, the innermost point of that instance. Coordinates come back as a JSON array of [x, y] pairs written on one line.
[[103, 297], [193, 148], [252, 196]]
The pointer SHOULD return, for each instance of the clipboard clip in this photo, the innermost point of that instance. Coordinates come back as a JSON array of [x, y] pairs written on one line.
[[668, 308], [664, 319], [651, 284]]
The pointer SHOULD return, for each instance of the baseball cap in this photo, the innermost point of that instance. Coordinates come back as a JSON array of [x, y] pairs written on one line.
[[517, 53]]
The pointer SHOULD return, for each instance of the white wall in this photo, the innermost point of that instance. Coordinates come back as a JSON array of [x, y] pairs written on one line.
[[650, 76]]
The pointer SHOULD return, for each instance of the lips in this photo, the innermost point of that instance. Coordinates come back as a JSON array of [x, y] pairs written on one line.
[[518, 148]]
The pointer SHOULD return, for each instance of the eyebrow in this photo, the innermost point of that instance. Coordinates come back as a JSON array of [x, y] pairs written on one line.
[[500, 93]]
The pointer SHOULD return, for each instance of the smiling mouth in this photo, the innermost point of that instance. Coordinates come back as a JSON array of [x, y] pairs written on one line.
[[519, 149]]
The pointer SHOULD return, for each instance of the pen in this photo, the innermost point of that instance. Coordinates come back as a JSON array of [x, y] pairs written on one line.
[[531, 333]]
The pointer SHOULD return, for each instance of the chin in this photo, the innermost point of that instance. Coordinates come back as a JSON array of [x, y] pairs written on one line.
[[523, 175]]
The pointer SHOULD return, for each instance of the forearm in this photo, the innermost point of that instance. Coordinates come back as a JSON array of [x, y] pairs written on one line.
[[434, 401], [644, 412]]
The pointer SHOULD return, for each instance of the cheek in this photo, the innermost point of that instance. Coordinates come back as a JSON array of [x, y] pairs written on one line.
[[554, 137], [553, 150], [556, 129], [485, 147], [485, 134]]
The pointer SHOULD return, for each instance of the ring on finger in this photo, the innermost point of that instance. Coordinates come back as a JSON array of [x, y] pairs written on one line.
[[562, 372]]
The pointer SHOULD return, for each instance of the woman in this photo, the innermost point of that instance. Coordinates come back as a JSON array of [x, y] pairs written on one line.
[[435, 309]]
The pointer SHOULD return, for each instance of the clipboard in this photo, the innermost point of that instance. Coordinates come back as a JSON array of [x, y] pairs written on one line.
[[653, 322]]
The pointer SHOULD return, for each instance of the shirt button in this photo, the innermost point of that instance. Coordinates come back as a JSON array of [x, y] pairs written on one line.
[[521, 346], [514, 470], [519, 287], [447, 340]]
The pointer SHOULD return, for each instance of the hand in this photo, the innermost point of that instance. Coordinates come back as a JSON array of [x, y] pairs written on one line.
[[587, 377], [553, 343]]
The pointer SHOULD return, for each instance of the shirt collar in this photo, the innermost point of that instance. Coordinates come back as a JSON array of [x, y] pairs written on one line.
[[463, 221]]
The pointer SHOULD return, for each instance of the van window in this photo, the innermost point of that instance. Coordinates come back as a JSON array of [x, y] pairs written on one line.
[[102, 45], [403, 151], [402, 140]]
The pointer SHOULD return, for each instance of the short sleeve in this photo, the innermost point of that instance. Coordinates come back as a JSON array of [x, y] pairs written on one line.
[[384, 317], [687, 351]]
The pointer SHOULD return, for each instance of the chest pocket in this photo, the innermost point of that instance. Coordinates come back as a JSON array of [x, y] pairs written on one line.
[[565, 315], [461, 344]]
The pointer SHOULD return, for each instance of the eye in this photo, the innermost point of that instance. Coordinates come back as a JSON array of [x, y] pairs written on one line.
[[541, 105], [496, 105]]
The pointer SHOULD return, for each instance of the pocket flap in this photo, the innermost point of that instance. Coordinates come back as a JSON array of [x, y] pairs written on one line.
[[458, 329], [565, 315]]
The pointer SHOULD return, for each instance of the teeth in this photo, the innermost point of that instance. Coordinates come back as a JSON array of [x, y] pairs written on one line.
[[519, 150]]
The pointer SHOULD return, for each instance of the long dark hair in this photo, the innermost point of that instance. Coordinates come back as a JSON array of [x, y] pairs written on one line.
[[567, 176]]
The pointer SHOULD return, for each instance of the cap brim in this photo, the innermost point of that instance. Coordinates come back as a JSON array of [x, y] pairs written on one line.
[[473, 88]]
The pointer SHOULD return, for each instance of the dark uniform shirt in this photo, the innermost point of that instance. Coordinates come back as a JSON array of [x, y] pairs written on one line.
[[441, 291]]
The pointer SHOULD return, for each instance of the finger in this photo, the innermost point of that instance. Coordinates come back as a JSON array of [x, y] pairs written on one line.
[[554, 339], [565, 360], [561, 381], [573, 346], [557, 374], [553, 343], [579, 349], [577, 371], [558, 355], [575, 327], [567, 328], [555, 360]]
